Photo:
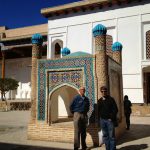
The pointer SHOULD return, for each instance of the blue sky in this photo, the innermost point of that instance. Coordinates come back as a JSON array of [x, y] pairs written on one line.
[[21, 13]]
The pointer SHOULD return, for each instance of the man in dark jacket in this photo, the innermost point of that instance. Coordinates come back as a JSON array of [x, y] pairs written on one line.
[[107, 112], [127, 111], [79, 107]]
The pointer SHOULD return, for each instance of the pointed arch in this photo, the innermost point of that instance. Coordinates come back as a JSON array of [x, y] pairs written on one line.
[[57, 45], [59, 102]]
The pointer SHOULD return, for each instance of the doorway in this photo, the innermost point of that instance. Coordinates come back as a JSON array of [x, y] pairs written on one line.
[[59, 104], [146, 87]]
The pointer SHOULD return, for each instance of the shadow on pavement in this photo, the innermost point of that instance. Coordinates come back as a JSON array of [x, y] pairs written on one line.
[[136, 132], [134, 147], [8, 146]]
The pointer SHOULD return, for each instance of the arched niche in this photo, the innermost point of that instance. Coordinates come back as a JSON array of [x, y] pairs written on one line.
[[57, 45], [59, 102]]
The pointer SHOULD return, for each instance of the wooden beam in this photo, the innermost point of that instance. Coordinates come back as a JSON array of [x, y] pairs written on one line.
[[3, 64]]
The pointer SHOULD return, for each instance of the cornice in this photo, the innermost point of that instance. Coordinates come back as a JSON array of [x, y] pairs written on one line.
[[82, 6], [20, 37]]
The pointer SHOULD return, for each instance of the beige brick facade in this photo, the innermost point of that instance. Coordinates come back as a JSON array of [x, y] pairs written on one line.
[[11, 34]]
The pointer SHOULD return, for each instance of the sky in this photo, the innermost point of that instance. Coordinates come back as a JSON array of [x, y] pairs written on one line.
[[22, 13]]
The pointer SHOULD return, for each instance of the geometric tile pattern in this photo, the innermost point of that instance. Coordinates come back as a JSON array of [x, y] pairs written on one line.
[[55, 78], [74, 71], [109, 42], [148, 45]]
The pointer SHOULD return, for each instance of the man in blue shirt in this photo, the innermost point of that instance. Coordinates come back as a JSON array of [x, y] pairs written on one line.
[[79, 107]]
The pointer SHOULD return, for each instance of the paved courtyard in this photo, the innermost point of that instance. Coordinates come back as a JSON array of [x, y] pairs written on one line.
[[13, 129]]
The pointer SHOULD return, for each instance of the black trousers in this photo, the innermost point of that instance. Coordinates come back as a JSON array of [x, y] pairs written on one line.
[[80, 124], [127, 115]]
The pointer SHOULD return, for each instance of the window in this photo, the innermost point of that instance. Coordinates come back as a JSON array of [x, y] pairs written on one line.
[[57, 50], [148, 44]]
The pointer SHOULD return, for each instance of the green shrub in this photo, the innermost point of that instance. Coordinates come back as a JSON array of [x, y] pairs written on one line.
[[6, 85]]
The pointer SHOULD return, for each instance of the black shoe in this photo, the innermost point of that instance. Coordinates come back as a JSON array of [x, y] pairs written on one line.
[[84, 148]]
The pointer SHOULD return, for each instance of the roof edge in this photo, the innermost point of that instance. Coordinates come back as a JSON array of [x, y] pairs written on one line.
[[79, 6]]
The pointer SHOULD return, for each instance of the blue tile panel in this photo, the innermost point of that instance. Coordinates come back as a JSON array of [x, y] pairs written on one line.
[[76, 72]]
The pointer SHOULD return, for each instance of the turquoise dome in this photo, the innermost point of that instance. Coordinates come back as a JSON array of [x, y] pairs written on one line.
[[65, 51], [117, 46], [99, 30], [77, 54], [37, 39]]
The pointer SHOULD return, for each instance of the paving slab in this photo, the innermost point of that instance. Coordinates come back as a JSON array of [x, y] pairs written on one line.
[[13, 134]]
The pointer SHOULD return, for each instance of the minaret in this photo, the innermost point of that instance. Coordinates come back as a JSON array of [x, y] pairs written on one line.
[[99, 33], [37, 41], [117, 52]]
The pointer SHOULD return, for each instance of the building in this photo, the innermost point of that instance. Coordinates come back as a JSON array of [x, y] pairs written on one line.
[[127, 21], [17, 48], [56, 81]]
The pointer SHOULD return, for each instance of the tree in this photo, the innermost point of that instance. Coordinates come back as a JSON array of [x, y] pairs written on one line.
[[6, 85]]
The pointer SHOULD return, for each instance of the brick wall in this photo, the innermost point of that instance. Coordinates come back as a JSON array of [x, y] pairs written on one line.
[[62, 132], [59, 132]]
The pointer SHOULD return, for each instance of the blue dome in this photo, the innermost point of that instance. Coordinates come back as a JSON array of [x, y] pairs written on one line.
[[117, 46], [37, 39], [65, 51], [99, 30], [77, 54]]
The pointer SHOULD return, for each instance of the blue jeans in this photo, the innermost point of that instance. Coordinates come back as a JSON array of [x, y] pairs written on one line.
[[108, 130]]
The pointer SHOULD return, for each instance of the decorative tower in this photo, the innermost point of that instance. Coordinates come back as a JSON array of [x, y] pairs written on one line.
[[99, 33], [65, 51], [37, 41], [117, 52]]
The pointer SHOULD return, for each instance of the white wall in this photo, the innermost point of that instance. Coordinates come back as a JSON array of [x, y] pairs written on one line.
[[79, 38], [60, 100], [126, 25], [19, 69]]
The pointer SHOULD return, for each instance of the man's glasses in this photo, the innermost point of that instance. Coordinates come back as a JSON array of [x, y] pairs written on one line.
[[103, 91]]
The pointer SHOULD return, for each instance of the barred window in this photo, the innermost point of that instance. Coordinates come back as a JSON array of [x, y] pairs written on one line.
[[148, 44], [109, 42]]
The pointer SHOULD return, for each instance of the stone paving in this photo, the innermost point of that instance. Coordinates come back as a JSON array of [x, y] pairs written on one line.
[[13, 129]]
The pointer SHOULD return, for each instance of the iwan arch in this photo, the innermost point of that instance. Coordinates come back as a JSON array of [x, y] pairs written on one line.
[[56, 81], [58, 103]]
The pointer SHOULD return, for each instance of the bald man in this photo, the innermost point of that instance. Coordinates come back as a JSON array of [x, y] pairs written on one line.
[[79, 107]]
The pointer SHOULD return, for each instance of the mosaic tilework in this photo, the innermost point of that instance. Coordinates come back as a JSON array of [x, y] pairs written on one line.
[[44, 67], [100, 43], [36, 51], [55, 78]]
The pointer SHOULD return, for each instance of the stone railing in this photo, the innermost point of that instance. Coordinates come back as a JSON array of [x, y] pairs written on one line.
[[15, 105]]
